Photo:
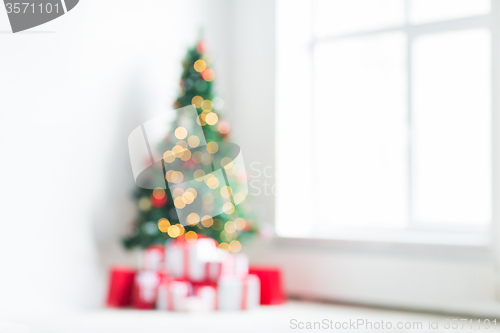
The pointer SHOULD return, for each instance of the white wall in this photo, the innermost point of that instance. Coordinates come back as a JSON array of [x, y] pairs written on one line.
[[72, 90], [251, 98]]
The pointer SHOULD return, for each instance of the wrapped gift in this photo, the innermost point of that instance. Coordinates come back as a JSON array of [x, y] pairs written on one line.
[[235, 265], [227, 264], [207, 293], [172, 295], [145, 289], [153, 258], [120, 286], [271, 287], [206, 301], [236, 293], [188, 260]]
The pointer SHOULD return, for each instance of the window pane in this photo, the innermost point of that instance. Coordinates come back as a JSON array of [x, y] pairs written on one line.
[[360, 122], [345, 16], [423, 11], [451, 124]]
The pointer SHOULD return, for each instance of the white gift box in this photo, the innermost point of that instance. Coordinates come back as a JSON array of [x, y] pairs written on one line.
[[236, 293], [227, 264], [152, 258], [189, 260], [172, 295], [177, 296], [235, 265], [208, 296]]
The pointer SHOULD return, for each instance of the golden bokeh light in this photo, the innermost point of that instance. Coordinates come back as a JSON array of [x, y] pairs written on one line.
[[182, 143], [207, 105], [186, 155], [178, 150], [201, 120], [179, 203], [230, 227], [192, 219], [197, 100], [192, 191], [191, 236], [177, 177], [200, 65], [212, 147], [168, 156], [177, 192], [163, 224], [174, 231], [212, 182], [168, 175], [181, 228], [159, 193], [225, 191], [193, 141], [228, 208], [240, 223], [207, 221], [180, 132], [203, 117], [211, 118], [224, 246], [199, 174], [188, 197], [235, 246], [230, 236]]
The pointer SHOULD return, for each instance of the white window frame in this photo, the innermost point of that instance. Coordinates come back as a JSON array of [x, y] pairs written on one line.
[[478, 237], [409, 269]]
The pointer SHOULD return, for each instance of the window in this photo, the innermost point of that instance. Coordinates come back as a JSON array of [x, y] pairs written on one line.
[[384, 110]]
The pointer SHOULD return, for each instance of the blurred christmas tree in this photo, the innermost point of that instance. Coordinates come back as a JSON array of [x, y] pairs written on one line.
[[157, 219]]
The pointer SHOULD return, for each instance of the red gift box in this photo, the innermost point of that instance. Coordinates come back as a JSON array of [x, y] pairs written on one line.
[[120, 286], [271, 288], [145, 291]]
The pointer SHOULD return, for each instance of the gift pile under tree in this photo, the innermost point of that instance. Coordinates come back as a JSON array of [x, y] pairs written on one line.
[[186, 275], [192, 215]]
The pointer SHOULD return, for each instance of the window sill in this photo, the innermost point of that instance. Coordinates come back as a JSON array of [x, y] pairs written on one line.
[[456, 245]]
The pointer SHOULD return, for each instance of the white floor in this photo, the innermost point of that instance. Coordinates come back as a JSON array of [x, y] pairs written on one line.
[[273, 319]]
